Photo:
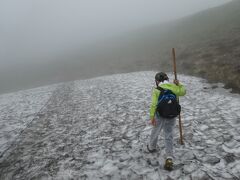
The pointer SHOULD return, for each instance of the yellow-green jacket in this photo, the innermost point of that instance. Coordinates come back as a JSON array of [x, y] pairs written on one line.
[[177, 90]]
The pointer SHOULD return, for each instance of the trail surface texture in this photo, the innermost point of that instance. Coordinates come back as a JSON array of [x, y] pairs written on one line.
[[98, 129]]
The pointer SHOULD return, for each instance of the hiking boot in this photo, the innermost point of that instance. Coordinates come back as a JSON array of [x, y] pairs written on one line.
[[151, 150], [168, 164]]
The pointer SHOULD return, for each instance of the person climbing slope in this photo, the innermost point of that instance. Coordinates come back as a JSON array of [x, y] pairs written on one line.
[[163, 112]]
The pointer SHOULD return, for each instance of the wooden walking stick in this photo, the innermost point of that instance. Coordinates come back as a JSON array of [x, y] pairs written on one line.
[[175, 74]]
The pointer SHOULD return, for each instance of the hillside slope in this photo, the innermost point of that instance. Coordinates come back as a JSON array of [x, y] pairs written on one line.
[[207, 45]]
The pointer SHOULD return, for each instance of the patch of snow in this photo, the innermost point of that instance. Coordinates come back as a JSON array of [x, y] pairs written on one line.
[[18, 109], [98, 129]]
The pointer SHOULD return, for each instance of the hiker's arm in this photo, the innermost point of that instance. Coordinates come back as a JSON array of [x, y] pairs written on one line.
[[179, 90], [153, 104]]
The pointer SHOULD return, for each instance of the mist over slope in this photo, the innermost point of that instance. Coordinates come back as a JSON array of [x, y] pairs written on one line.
[[207, 45]]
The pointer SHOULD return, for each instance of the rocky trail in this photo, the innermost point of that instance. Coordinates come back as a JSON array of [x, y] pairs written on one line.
[[98, 129]]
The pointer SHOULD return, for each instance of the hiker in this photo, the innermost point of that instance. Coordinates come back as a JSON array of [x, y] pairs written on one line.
[[160, 116]]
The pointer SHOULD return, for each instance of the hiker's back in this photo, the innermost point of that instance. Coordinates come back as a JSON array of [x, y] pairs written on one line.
[[167, 106]]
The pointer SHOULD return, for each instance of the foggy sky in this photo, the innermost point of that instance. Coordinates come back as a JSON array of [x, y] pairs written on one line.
[[38, 30]]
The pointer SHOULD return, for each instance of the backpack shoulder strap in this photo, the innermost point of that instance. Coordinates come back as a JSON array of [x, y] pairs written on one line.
[[160, 88], [164, 91]]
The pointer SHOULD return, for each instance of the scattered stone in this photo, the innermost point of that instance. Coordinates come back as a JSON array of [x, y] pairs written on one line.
[[121, 165], [199, 174], [109, 169], [225, 175], [124, 157], [153, 176], [232, 143], [153, 162], [125, 173], [175, 174], [211, 160], [214, 86], [199, 155], [210, 150], [188, 156], [149, 161], [189, 168], [197, 139], [229, 158], [142, 170], [199, 147], [203, 127], [116, 176], [211, 141], [236, 170]]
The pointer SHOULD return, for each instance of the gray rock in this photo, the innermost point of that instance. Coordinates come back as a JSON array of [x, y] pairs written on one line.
[[109, 169], [121, 165], [229, 158], [153, 162], [124, 157], [199, 174], [227, 138], [189, 168], [211, 160], [153, 175], [175, 174], [188, 156]]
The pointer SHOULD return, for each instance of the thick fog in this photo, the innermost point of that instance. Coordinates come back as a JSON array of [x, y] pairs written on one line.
[[33, 32]]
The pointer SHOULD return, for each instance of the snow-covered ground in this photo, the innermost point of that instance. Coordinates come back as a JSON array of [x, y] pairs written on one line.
[[98, 129], [18, 110]]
